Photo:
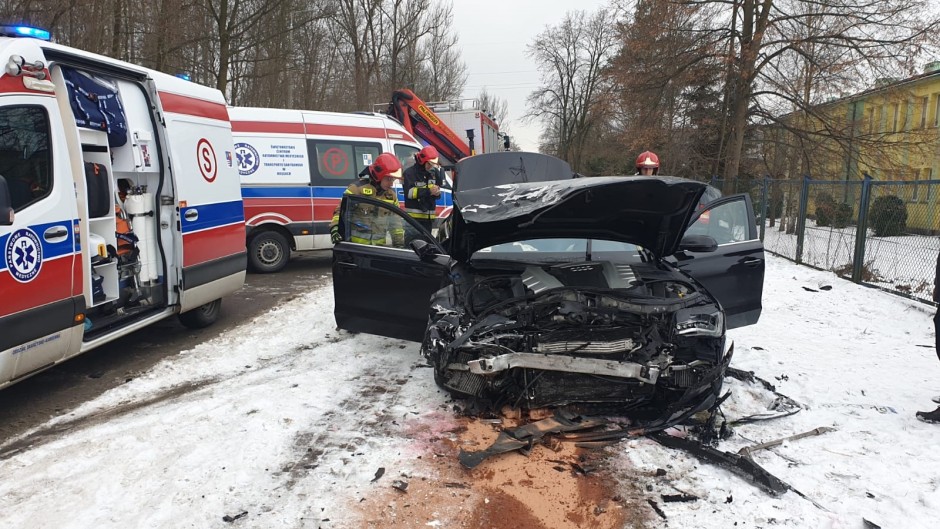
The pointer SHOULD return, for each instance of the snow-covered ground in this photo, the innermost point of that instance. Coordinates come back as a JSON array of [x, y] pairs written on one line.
[[287, 420], [905, 264]]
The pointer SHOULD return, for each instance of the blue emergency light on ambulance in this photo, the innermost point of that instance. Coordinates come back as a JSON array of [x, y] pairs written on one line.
[[24, 31]]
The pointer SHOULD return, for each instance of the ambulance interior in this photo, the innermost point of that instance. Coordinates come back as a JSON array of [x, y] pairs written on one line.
[[120, 181]]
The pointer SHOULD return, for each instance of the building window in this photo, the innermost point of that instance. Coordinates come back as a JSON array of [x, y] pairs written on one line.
[[936, 109], [897, 110], [871, 120], [924, 102]]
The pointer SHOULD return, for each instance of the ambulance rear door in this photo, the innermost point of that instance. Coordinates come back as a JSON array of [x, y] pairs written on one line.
[[210, 217], [41, 303]]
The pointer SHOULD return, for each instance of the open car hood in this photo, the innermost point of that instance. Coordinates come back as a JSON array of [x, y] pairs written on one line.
[[651, 212]]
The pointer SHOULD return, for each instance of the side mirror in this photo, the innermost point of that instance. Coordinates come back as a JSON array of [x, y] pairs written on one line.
[[422, 249], [427, 252], [6, 204], [698, 243]]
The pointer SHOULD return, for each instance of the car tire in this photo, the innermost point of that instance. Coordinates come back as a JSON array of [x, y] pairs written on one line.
[[202, 316], [268, 252]]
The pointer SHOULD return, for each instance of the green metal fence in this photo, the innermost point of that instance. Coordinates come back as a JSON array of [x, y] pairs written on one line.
[[883, 234]]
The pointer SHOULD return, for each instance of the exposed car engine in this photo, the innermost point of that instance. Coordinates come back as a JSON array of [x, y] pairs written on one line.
[[588, 332]]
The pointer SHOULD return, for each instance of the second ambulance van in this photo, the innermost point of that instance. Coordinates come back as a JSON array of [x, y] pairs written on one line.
[[294, 167]]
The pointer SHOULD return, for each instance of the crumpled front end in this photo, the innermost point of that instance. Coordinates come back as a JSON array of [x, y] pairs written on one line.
[[656, 349]]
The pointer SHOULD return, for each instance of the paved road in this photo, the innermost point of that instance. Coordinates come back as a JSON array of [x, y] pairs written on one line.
[[64, 387]]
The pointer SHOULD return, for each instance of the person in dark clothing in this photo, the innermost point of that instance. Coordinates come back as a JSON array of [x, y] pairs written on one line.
[[422, 184], [934, 416]]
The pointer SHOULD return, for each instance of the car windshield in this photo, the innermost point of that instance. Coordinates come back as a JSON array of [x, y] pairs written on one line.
[[560, 250]]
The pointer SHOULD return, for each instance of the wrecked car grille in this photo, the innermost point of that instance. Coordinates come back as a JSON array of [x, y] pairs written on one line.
[[589, 341], [582, 347]]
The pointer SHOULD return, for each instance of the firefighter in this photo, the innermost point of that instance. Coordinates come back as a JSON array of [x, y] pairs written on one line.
[[371, 223], [422, 185], [647, 164]]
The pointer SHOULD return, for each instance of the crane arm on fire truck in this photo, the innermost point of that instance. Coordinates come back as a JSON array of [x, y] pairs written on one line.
[[421, 121]]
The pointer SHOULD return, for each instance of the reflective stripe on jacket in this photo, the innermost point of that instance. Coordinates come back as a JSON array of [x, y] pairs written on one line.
[[416, 181]]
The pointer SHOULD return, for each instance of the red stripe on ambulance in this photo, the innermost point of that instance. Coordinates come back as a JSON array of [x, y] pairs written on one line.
[[214, 243], [268, 127], [45, 288], [344, 130], [193, 107]]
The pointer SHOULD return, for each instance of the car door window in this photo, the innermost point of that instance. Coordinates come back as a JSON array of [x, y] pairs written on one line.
[[368, 221], [726, 222], [25, 157]]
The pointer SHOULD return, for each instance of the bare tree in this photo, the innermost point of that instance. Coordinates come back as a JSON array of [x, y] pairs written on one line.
[[495, 107], [869, 38], [442, 73], [316, 54], [572, 57], [667, 84]]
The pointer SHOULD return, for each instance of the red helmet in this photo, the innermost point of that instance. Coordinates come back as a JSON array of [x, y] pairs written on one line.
[[426, 155], [385, 166], [647, 159]]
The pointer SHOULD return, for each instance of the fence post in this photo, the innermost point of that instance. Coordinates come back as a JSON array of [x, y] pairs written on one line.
[[763, 205], [861, 231], [801, 219]]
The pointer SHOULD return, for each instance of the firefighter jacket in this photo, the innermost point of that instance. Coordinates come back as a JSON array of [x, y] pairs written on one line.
[[419, 202], [373, 224]]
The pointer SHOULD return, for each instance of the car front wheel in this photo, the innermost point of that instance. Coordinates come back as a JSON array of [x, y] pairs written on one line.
[[268, 252]]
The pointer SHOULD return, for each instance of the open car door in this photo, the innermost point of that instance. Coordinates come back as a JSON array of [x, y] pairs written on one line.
[[734, 272], [382, 289]]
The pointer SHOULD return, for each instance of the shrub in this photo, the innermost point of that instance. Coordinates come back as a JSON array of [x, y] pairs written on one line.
[[842, 216], [888, 216], [832, 213], [824, 212]]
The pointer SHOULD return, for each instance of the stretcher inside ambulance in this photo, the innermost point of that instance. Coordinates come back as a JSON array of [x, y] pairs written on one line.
[[117, 206]]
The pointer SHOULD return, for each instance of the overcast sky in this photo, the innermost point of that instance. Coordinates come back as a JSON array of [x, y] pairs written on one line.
[[494, 35]]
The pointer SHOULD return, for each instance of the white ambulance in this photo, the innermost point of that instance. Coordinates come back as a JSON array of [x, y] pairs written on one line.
[[294, 167], [119, 202]]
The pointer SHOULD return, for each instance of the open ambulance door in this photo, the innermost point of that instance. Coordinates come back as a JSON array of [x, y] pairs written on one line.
[[210, 221]]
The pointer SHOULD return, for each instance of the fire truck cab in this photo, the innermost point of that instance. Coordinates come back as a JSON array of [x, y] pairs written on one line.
[[294, 167], [119, 202]]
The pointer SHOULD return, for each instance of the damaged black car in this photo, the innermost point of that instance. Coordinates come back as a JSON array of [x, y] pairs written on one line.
[[546, 289]]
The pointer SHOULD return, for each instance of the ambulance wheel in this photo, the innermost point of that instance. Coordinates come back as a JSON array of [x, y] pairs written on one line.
[[202, 316], [268, 252]]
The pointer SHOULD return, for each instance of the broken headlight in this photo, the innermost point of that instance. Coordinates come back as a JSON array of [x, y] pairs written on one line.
[[701, 324]]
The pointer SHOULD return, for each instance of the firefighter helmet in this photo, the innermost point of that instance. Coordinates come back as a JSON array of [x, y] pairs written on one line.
[[427, 154], [647, 159], [386, 165]]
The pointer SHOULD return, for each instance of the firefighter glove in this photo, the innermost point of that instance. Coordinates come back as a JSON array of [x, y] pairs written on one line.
[[335, 236]]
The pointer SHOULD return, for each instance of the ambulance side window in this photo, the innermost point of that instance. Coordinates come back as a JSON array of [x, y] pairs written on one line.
[[340, 162], [25, 156], [405, 154]]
